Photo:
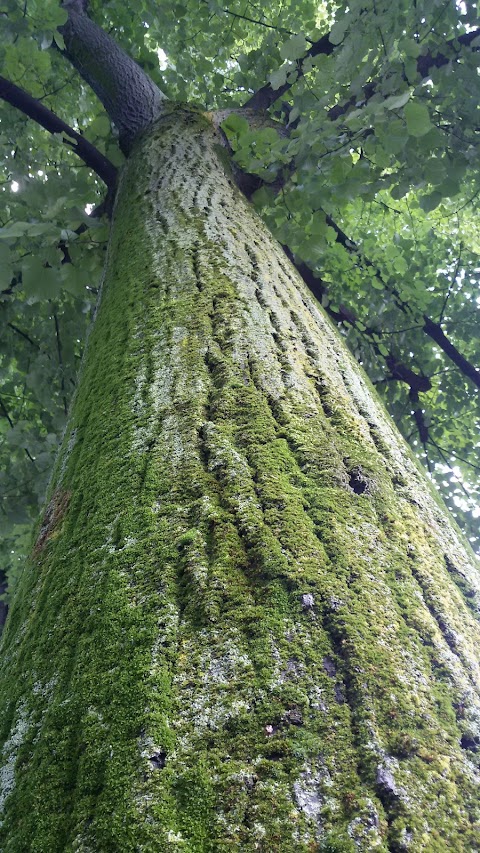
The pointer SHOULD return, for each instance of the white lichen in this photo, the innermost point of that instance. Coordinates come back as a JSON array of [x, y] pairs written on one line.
[[9, 755]]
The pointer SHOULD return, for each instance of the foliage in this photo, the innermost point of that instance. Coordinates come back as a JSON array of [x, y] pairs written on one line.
[[373, 184]]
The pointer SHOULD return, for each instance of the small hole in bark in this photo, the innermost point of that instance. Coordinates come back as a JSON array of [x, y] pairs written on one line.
[[358, 482], [158, 760], [275, 756], [470, 741]]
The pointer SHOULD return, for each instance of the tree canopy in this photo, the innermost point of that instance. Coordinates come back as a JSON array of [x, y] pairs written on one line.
[[367, 173]]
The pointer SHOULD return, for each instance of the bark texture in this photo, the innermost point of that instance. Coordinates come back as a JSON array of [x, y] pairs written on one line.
[[247, 624], [131, 98]]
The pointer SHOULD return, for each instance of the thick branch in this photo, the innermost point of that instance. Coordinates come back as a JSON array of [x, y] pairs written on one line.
[[266, 96], [425, 64], [419, 417], [130, 97], [3, 603], [34, 109]]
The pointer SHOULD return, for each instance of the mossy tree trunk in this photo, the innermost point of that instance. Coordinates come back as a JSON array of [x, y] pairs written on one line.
[[247, 624]]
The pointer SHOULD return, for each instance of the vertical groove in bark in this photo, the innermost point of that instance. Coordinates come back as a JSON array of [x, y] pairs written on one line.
[[251, 626]]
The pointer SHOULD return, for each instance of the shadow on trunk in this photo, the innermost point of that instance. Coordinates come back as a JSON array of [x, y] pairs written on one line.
[[3, 604]]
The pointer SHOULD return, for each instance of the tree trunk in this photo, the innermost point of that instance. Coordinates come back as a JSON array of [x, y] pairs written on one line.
[[3, 603], [247, 623]]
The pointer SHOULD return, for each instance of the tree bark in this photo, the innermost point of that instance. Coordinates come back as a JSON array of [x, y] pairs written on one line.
[[248, 623], [130, 97], [3, 604]]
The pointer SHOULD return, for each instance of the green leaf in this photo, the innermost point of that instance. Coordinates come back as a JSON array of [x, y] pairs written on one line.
[[59, 40], [337, 33], [293, 115], [279, 77], [5, 255], [410, 47], [435, 170], [100, 127], [235, 124], [58, 15], [38, 280], [431, 201], [115, 155], [400, 265], [263, 197], [418, 119], [294, 48], [394, 102], [16, 229]]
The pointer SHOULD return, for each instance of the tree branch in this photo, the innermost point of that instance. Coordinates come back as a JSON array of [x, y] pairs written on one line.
[[266, 95], [37, 111], [436, 333], [3, 603], [4, 412], [419, 418], [130, 97], [60, 362], [398, 371], [432, 329]]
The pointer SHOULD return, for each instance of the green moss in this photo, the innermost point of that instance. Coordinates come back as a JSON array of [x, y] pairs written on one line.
[[242, 632]]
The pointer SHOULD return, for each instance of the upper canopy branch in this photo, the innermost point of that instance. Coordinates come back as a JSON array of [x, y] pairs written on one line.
[[34, 109], [267, 95], [432, 330], [131, 98]]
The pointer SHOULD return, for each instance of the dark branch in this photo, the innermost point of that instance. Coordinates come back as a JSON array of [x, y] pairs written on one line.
[[35, 110], [419, 418], [60, 361], [266, 95], [398, 371], [4, 412], [3, 603], [130, 97], [433, 330], [417, 382], [426, 62], [259, 23], [23, 335], [436, 333]]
